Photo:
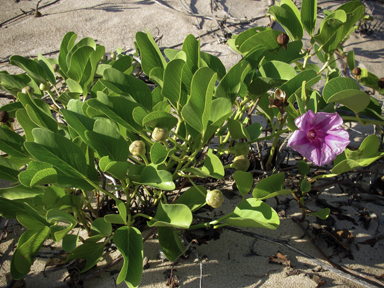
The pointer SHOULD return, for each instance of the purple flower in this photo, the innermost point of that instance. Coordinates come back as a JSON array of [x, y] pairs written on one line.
[[320, 137]]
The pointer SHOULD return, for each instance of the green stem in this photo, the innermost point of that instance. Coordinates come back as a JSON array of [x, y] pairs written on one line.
[[53, 98], [101, 189], [273, 148], [142, 215], [144, 157], [325, 65], [270, 136]]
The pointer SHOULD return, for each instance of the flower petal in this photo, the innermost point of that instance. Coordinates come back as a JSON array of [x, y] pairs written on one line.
[[304, 122], [327, 121]]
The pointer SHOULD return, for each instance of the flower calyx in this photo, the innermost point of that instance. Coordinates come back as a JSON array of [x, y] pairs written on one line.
[[282, 40], [160, 134], [137, 148], [280, 101], [214, 198]]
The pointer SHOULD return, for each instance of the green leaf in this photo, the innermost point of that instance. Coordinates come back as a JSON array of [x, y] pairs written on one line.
[[128, 85], [230, 85], [90, 251], [156, 75], [346, 92], [28, 246], [79, 63], [151, 56], [254, 56], [33, 69], [15, 83], [172, 215], [38, 173], [160, 119], [191, 48], [70, 242], [244, 182], [270, 187], [101, 227], [59, 152], [303, 168], [170, 243], [130, 244], [238, 131], [47, 66], [197, 111], [12, 143], [213, 166], [351, 60], [254, 131], [194, 197], [158, 153], [254, 213], [287, 18], [172, 89], [66, 45], [8, 170], [58, 230], [214, 63], [117, 169], [20, 192], [52, 195], [305, 186], [267, 38], [289, 55], [322, 214], [107, 141], [309, 15], [160, 179]]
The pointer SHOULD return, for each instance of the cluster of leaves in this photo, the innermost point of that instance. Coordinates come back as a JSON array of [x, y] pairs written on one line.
[[109, 135]]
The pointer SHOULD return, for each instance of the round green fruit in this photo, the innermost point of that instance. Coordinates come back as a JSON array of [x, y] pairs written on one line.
[[160, 134], [27, 90], [44, 86], [214, 198], [241, 163], [137, 148]]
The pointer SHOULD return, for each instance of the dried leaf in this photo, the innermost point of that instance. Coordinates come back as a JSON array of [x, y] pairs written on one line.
[[279, 258], [372, 241], [345, 234], [317, 279]]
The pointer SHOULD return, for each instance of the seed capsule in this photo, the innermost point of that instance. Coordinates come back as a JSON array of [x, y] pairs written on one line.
[[214, 198], [356, 71], [137, 148], [381, 83], [241, 163], [283, 40], [160, 134]]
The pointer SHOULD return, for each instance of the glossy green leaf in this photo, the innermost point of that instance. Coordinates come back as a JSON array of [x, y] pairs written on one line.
[[90, 251], [156, 75], [309, 15], [254, 130], [305, 186], [197, 111], [14, 83], [172, 215], [66, 45], [194, 197], [79, 63], [38, 173], [254, 56], [129, 242], [370, 80], [170, 243], [101, 227], [191, 48], [267, 38], [351, 60], [12, 143], [291, 54], [244, 182], [117, 169], [20, 192], [303, 168], [70, 242], [270, 187], [214, 63], [52, 195], [43, 62], [254, 213], [160, 179]]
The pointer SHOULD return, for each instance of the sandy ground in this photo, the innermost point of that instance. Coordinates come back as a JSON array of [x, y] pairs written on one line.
[[225, 262]]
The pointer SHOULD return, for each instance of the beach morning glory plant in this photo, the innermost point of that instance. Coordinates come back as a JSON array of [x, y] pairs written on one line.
[[320, 137]]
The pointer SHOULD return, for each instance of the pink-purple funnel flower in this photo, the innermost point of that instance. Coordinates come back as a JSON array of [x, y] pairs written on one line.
[[320, 137]]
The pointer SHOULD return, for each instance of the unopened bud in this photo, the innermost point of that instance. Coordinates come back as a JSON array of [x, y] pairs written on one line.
[[283, 40], [160, 134], [214, 198], [356, 71], [27, 90], [137, 148], [241, 163]]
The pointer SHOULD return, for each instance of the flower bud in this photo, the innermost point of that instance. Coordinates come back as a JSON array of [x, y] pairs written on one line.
[[137, 148], [27, 90], [56, 67], [160, 134], [214, 198], [44, 86], [381, 83], [113, 55], [242, 148], [4, 116], [283, 40], [241, 163], [356, 71]]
